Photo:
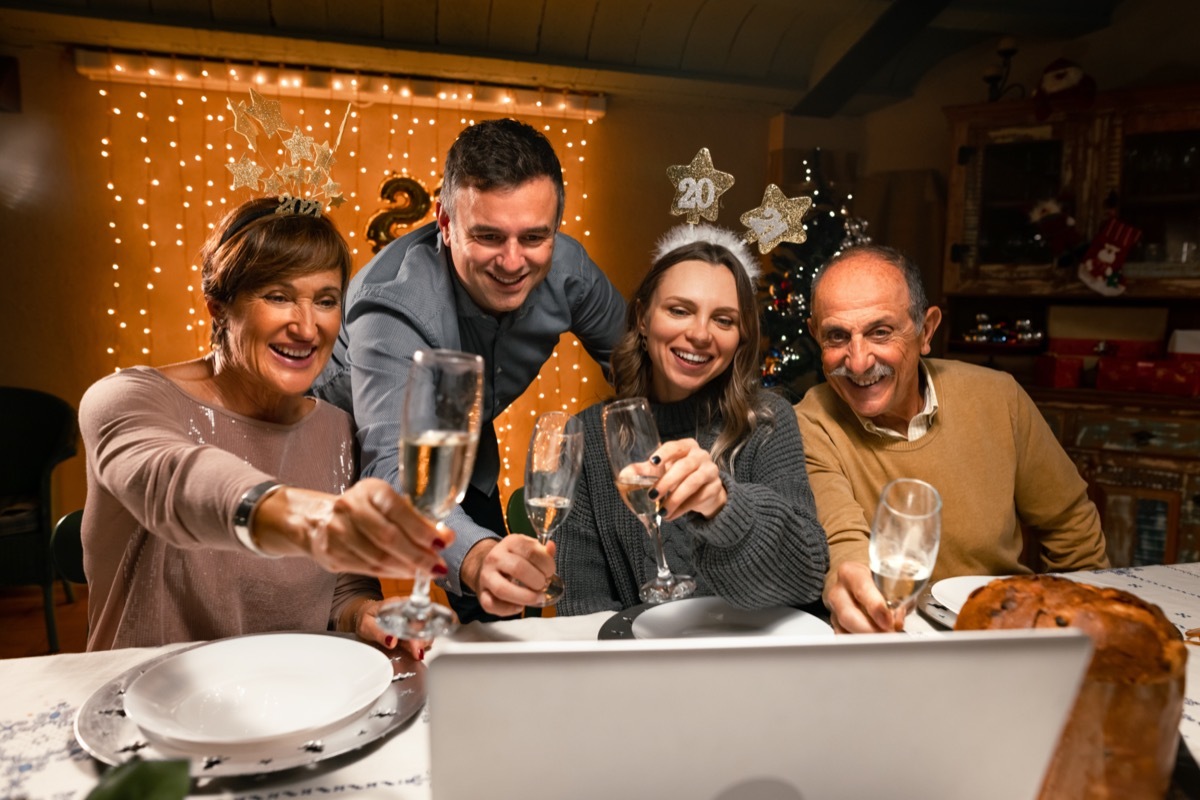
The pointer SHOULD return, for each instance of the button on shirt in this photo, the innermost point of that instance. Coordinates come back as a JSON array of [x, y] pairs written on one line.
[[919, 425], [408, 298]]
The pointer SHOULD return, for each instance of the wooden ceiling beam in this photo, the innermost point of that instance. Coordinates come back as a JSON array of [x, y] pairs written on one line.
[[900, 22]]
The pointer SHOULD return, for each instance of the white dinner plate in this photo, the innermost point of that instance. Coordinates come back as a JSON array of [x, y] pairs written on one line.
[[249, 690], [953, 592], [712, 616]]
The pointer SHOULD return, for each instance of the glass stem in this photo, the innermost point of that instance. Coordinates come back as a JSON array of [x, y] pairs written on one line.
[[420, 591], [664, 572]]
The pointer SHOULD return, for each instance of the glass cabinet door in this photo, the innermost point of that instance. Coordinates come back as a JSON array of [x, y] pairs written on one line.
[[1017, 177], [1160, 195]]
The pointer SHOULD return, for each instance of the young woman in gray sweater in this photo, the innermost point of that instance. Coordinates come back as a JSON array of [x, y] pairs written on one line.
[[736, 506]]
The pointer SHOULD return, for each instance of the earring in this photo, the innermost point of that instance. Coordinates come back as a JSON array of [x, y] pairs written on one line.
[[642, 341]]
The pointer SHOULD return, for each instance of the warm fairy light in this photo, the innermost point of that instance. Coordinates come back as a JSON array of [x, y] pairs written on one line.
[[161, 140]]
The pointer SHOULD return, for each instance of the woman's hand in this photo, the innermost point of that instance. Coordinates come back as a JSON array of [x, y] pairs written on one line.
[[369, 529], [690, 480], [365, 623]]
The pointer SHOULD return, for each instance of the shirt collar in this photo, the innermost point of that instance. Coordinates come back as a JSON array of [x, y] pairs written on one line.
[[919, 425]]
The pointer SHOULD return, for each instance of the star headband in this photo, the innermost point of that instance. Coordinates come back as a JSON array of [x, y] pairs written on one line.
[[303, 182], [698, 190], [682, 235]]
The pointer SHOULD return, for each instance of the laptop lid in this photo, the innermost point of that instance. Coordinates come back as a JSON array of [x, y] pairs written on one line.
[[973, 714]]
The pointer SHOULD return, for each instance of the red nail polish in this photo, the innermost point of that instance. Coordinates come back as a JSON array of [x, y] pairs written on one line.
[[421, 655], [439, 544], [439, 569], [390, 642]]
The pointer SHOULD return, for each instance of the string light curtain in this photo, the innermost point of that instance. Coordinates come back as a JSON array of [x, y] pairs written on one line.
[[169, 135]]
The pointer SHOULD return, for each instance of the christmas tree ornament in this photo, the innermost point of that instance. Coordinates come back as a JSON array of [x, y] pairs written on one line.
[[698, 188], [1102, 268], [778, 219]]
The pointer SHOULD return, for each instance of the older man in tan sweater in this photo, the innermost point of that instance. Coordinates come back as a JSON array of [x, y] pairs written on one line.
[[971, 432]]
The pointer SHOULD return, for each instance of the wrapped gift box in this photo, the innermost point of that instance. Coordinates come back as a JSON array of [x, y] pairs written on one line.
[[1180, 377], [1058, 372], [1176, 376]]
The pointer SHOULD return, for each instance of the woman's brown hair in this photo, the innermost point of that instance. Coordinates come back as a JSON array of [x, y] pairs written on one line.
[[253, 247], [735, 391]]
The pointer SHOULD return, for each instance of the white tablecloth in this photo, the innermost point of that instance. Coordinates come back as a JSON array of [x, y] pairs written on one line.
[[39, 757]]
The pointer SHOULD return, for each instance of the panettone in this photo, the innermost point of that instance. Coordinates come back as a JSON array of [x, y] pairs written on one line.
[[1121, 738]]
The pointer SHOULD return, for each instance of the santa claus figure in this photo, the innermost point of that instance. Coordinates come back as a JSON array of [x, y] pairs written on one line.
[[1064, 87]]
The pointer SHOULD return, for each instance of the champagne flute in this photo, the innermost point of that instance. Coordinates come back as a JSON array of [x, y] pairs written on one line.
[[631, 437], [439, 433], [551, 472], [905, 536]]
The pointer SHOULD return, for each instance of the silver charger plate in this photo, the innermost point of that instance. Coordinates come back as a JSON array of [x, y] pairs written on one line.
[[104, 731]]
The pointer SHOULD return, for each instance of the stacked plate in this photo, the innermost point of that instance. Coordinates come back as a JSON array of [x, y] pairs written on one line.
[[249, 691], [252, 704]]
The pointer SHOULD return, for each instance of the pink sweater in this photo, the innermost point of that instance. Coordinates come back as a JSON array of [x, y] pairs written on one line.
[[165, 473]]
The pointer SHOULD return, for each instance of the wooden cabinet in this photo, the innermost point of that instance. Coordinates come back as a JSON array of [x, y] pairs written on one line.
[[1141, 459], [1133, 156]]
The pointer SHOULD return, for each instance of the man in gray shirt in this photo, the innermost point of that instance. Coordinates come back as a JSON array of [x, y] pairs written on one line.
[[491, 276]]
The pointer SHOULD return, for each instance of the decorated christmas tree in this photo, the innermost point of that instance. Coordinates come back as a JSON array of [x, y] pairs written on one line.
[[791, 359]]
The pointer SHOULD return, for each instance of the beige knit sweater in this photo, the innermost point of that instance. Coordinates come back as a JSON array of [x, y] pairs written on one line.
[[989, 453]]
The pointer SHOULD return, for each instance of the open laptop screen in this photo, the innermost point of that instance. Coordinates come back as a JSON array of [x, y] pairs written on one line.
[[957, 715]]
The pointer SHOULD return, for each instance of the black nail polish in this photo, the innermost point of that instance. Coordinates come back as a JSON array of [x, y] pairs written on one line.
[[652, 494], [656, 459]]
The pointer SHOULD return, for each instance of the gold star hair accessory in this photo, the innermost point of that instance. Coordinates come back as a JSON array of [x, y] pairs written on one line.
[[302, 182], [778, 219], [698, 188]]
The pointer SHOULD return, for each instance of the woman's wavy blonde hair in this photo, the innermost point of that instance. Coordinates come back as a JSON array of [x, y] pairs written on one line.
[[734, 394]]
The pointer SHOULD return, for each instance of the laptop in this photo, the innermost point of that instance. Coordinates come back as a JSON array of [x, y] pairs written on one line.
[[972, 714]]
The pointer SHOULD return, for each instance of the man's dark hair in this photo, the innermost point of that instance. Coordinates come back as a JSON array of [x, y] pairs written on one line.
[[499, 154], [918, 301]]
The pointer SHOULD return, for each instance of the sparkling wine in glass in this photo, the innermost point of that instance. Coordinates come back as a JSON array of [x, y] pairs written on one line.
[[904, 539], [631, 437], [551, 472], [439, 433]]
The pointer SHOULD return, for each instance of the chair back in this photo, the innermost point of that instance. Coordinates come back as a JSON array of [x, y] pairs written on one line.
[[66, 545], [516, 516], [37, 432]]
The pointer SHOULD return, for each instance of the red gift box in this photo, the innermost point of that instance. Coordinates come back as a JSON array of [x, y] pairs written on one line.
[[1058, 372], [1128, 349], [1123, 375], [1176, 376], [1180, 377]]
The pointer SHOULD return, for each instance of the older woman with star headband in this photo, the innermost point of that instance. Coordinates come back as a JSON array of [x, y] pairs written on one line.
[[220, 497], [736, 507]]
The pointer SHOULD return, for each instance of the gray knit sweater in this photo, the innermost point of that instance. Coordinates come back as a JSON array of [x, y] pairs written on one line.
[[764, 548]]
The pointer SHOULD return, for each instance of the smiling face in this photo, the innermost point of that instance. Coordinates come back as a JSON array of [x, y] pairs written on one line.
[[501, 241], [691, 328], [281, 335], [870, 346]]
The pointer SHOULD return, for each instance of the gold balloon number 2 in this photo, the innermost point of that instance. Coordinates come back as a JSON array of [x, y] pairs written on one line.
[[408, 203]]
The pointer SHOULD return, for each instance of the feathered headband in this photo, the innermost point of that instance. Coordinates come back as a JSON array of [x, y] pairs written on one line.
[[698, 189], [682, 235]]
